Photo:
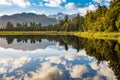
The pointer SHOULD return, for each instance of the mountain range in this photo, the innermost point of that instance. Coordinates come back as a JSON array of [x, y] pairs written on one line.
[[32, 17], [26, 18]]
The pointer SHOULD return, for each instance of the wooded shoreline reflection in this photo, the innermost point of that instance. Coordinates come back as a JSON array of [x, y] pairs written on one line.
[[63, 40], [102, 50]]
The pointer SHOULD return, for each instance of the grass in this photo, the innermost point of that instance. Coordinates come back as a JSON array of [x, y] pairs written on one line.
[[96, 35], [99, 35], [32, 33], [119, 40]]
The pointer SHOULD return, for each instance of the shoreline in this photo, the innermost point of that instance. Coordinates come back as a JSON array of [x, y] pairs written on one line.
[[96, 35]]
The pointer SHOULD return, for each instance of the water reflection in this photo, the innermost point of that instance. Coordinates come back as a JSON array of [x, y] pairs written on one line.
[[35, 42], [66, 58], [105, 50]]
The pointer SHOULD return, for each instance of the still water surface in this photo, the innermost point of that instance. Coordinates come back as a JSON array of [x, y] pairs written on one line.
[[58, 58]]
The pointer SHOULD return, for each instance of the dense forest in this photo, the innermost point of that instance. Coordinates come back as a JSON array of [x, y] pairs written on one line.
[[103, 20]]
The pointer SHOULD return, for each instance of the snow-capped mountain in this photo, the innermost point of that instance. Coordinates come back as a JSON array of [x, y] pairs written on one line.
[[61, 16]]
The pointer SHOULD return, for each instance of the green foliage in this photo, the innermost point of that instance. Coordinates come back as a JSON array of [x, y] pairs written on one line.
[[9, 25], [66, 18], [102, 20], [64, 25], [104, 50]]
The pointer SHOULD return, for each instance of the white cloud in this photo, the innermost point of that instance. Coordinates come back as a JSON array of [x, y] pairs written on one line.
[[96, 77], [73, 56], [106, 3], [46, 72], [78, 70], [12, 63], [49, 72], [81, 53], [103, 2], [21, 3], [6, 62], [3, 70], [103, 70], [94, 65], [106, 71], [54, 59], [20, 62], [34, 11], [98, 1], [70, 5], [70, 57], [91, 7], [5, 2], [53, 3], [84, 10]]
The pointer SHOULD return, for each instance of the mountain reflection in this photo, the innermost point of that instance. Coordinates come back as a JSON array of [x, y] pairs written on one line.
[[31, 40], [62, 58]]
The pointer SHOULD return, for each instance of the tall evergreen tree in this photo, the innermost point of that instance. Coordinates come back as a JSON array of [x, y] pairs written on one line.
[[9, 25]]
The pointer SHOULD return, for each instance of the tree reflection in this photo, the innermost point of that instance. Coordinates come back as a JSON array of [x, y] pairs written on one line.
[[63, 40], [9, 39], [100, 49], [105, 50]]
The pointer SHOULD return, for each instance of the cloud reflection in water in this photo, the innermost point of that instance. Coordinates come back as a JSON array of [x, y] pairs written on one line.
[[52, 63]]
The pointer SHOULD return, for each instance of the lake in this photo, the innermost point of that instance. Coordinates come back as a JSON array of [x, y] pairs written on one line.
[[58, 58]]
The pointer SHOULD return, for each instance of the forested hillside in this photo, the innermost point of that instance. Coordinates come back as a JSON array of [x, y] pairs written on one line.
[[103, 20]]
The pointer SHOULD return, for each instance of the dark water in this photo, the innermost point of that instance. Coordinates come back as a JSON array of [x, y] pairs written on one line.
[[58, 58]]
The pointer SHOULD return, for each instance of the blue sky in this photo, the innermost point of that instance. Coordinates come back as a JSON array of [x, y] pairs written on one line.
[[48, 7]]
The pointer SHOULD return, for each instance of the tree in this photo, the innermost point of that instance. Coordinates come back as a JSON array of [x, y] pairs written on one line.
[[39, 24], [18, 25], [9, 25], [66, 18], [26, 25]]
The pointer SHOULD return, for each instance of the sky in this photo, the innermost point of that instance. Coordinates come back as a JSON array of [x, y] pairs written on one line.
[[49, 7]]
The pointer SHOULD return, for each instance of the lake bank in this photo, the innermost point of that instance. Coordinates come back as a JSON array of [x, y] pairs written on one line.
[[33, 33], [99, 35], [96, 35]]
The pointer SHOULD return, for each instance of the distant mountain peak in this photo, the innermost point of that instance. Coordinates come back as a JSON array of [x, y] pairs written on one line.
[[26, 18], [60, 16]]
